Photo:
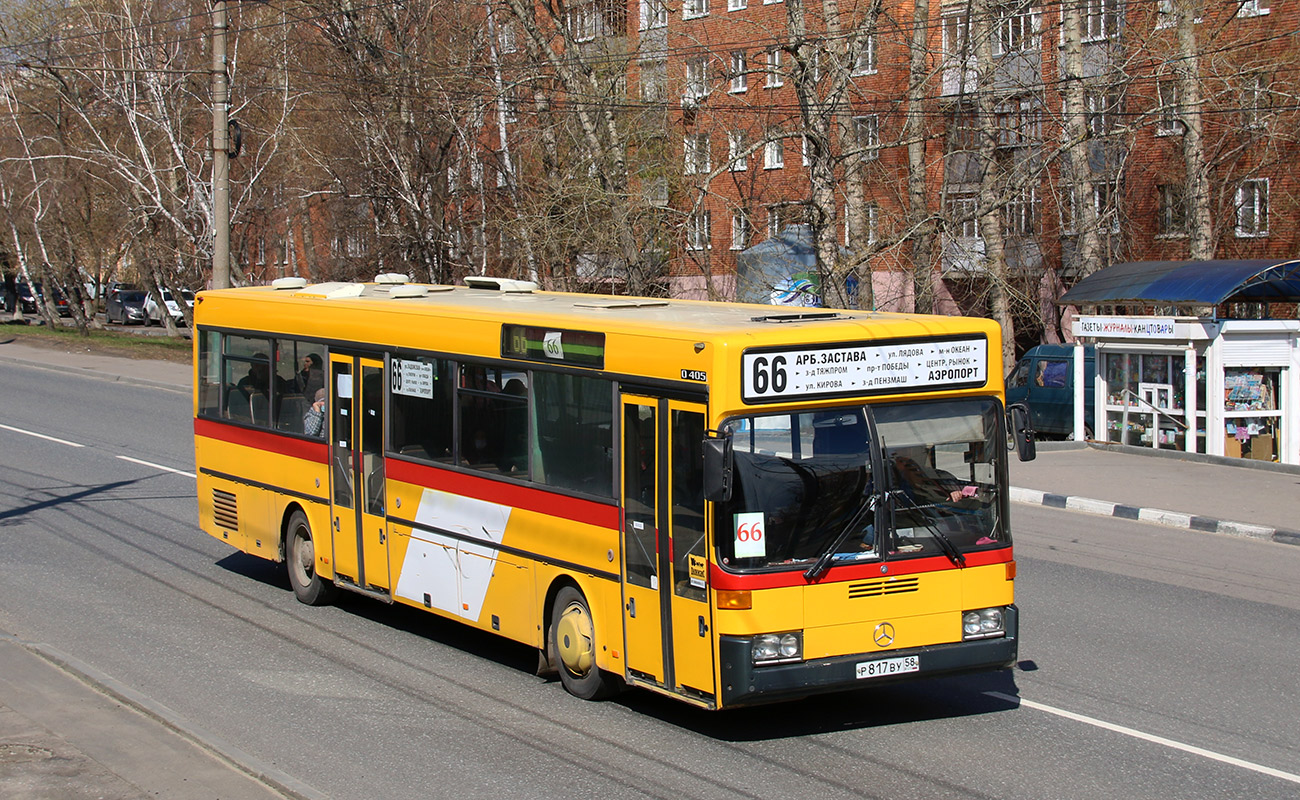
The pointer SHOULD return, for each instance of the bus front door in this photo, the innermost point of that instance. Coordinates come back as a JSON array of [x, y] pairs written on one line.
[[667, 623], [357, 472]]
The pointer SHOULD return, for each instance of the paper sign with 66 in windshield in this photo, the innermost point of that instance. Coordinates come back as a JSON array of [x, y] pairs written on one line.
[[843, 369]]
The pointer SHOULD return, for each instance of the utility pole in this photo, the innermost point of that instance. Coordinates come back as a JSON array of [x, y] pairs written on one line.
[[220, 150]]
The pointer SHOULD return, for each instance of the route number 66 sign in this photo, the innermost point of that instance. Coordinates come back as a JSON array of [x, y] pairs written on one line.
[[750, 539]]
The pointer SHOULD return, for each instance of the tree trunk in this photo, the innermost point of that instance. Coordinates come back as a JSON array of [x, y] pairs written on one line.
[[921, 222]]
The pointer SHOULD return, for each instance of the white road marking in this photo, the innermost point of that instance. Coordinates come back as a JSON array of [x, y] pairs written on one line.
[[157, 466], [1148, 737], [42, 436]]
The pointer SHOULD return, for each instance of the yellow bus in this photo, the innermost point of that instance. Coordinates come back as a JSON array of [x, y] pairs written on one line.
[[724, 503]]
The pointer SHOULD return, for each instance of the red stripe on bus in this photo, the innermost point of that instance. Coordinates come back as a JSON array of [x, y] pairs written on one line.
[[270, 441], [721, 579], [514, 495]]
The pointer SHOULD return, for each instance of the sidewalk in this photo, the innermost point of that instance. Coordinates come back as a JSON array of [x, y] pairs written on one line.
[[62, 739], [1220, 495]]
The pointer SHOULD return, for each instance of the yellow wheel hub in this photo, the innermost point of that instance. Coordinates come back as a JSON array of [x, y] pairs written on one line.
[[575, 636]]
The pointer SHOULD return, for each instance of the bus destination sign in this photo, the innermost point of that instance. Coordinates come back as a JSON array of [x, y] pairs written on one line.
[[854, 368], [578, 348]]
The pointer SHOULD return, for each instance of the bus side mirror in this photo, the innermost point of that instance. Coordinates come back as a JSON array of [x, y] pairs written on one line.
[[1021, 424], [717, 469]]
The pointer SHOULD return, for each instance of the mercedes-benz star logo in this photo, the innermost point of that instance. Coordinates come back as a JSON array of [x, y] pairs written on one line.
[[884, 635]]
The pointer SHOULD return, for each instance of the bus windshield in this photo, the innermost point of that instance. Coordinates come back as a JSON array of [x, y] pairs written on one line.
[[801, 478]]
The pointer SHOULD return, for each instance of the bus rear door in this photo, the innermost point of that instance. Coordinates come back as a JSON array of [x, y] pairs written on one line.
[[667, 623]]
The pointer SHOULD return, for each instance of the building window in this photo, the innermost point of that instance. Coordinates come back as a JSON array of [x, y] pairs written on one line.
[[737, 5], [654, 81], [770, 2], [958, 53], [873, 219], [596, 19], [697, 231], [737, 161], [805, 146], [739, 72], [777, 217], [1252, 8], [1255, 96], [866, 130], [774, 154], [773, 69], [740, 230], [865, 62], [696, 148], [1171, 206], [1020, 217], [961, 208], [1017, 28], [508, 37], [695, 8], [1105, 204], [654, 14], [1019, 122], [1102, 107], [697, 80], [1101, 20], [1167, 121], [1252, 208]]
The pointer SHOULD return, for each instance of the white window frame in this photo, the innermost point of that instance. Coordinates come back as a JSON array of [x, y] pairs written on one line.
[[772, 65], [771, 2], [735, 144], [1167, 121], [1022, 214], [1254, 101], [1252, 8], [964, 205], [696, 154], [694, 9], [739, 72], [774, 154], [698, 231], [654, 14], [697, 79], [741, 230], [737, 5], [1171, 211], [866, 132], [1102, 19], [654, 81], [1252, 199], [1018, 26], [865, 63]]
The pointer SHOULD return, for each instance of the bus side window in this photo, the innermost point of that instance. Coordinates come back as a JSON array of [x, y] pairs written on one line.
[[420, 425]]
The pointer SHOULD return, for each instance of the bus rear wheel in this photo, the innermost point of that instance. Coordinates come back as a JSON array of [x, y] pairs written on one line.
[[573, 648], [308, 587]]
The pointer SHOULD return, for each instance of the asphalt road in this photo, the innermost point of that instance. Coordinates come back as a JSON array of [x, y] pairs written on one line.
[[1157, 663]]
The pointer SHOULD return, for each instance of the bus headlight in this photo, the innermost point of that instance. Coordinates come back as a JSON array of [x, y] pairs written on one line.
[[775, 648], [986, 623]]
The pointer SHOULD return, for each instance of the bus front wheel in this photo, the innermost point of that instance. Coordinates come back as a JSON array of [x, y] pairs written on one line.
[[308, 587], [573, 648]]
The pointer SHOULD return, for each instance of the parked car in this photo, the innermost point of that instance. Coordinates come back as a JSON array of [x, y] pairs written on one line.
[[1044, 381], [126, 307], [23, 297], [155, 313], [30, 298]]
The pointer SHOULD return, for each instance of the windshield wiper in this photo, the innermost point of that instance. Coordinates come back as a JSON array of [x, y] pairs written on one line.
[[945, 544], [823, 563]]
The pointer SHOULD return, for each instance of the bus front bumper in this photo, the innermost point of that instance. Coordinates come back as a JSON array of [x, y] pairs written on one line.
[[745, 684]]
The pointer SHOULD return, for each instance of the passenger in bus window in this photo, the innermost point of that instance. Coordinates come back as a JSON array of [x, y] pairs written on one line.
[[312, 375], [313, 420]]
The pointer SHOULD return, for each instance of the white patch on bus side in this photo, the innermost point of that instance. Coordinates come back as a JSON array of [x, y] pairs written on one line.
[[748, 529], [455, 574]]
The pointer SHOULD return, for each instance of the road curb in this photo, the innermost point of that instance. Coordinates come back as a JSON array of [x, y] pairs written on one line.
[[253, 767], [1158, 516], [90, 373]]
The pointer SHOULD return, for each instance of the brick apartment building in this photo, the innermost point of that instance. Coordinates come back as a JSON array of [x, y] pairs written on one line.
[[719, 81]]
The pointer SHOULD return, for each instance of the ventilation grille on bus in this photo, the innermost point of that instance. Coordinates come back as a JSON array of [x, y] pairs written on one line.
[[883, 587], [224, 510]]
